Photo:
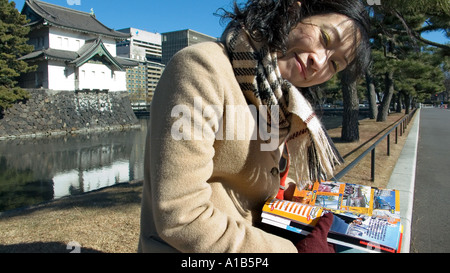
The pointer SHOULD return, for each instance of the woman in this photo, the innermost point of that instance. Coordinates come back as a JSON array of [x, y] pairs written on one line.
[[224, 112]]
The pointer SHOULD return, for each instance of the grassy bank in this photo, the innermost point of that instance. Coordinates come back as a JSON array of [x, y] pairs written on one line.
[[107, 221]]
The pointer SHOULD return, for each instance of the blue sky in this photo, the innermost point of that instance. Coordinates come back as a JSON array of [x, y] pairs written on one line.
[[163, 15], [152, 15]]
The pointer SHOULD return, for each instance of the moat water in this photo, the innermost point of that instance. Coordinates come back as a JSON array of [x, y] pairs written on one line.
[[34, 171]]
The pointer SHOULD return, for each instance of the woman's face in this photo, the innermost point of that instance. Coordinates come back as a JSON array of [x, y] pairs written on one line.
[[318, 47]]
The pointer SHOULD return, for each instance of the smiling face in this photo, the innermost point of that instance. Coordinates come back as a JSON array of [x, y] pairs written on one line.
[[318, 48]]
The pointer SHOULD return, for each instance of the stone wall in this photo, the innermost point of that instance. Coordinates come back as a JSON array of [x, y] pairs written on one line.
[[62, 112]]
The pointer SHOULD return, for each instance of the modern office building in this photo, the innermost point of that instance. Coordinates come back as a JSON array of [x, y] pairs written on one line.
[[172, 42], [144, 47]]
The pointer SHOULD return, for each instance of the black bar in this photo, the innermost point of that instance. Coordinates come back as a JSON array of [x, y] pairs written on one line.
[[389, 145], [396, 135], [373, 165]]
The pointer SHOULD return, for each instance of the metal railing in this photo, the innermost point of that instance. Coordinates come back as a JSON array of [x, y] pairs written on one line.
[[399, 128]]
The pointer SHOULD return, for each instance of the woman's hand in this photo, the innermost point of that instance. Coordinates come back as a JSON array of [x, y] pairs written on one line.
[[316, 241], [289, 191]]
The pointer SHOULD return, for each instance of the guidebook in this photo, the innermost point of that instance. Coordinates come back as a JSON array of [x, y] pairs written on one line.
[[366, 218], [352, 198]]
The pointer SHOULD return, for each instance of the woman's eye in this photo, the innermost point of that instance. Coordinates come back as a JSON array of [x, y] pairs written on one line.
[[335, 66], [327, 40], [325, 37]]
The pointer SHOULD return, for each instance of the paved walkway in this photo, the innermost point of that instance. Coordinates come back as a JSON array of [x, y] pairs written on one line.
[[431, 221], [422, 176]]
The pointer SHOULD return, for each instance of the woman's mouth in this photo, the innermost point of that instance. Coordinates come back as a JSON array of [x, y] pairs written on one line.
[[300, 66]]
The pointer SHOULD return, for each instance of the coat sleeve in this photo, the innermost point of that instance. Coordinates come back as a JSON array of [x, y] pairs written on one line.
[[181, 155]]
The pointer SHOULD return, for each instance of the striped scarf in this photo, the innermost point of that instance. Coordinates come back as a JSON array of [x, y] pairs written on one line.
[[312, 153]]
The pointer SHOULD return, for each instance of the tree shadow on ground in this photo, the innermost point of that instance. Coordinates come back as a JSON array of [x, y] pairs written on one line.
[[42, 247]]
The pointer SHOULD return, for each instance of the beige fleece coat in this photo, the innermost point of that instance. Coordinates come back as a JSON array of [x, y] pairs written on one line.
[[205, 183]]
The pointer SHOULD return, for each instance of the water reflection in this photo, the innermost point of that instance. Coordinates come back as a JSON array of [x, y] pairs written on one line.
[[38, 170]]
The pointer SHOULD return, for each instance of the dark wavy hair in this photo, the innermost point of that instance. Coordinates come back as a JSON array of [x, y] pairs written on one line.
[[270, 22]]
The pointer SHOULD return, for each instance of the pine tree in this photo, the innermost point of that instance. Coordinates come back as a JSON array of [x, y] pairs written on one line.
[[435, 13], [13, 45], [397, 34], [418, 77]]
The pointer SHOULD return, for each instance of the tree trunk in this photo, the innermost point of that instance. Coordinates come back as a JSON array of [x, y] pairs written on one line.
[[350, 123], [399, 103], [372, 95], [407, 104], [388, 93], [413, 103]]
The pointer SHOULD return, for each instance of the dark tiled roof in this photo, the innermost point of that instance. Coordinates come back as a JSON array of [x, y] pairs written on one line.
[[127, 62], [68, 18], [51, 54], [78, 58], [92, 48]]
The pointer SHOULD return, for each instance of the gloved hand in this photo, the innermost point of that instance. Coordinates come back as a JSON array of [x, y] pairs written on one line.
[[316, 241]]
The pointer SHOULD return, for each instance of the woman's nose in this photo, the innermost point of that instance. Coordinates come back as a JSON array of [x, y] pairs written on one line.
[[317, 60]]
